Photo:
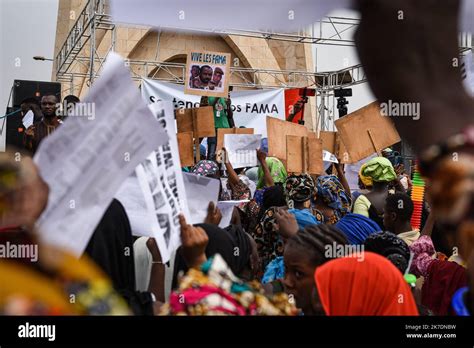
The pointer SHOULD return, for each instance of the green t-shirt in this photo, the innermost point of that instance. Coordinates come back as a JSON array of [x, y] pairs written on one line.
[[220, 112]]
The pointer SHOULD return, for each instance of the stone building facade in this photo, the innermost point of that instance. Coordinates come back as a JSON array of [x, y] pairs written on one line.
[[146, 44]]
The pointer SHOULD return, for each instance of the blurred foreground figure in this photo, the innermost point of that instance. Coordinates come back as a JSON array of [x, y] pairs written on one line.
[[36, 279], [428, 76]]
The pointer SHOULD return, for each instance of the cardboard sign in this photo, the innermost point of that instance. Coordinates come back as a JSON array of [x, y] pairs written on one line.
[[366, 131], [332, 142], [207, 73], [221, 132], [277, 131], [200, 121], [186, 148], [304, 154]]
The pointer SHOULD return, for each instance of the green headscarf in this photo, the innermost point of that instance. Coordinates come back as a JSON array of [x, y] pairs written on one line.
[[277, 171], [379, 169]]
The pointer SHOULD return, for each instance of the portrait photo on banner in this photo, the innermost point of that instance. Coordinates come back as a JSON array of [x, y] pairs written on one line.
[[207, 73]]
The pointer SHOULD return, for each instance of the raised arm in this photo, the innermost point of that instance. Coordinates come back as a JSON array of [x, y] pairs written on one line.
[[342, 179], [267, 176], [232, 175]]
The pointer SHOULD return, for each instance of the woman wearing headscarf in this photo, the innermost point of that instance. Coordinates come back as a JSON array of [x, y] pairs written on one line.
[[347, 286], [298, 191], [357, 227], [331, 201], [381, 172], [269, 242]]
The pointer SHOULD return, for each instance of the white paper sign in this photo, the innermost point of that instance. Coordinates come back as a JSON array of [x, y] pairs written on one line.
[[28, 119], [160, 177], [467, 71], [226, 208], [86, 160], [242, 149], [352, 172], [328, 159], [200, 191], [131, 196]]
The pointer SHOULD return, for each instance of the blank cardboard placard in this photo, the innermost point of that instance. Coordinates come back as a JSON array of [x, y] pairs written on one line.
[[304, 154], [366, 131], [184, 120], [277, 130], [340, 151], [295, 151], [200, 121], [315, 156], [329, 141], [332, 142], [204, 118], [221, 132], [186, 148]]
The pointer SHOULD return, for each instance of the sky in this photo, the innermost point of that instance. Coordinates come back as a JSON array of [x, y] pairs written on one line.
[[27, 29]]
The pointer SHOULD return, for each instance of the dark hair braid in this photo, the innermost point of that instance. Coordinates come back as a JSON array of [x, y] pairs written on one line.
[[314, 239]]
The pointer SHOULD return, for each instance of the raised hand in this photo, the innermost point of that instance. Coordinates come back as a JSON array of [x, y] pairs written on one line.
[[193, 244]]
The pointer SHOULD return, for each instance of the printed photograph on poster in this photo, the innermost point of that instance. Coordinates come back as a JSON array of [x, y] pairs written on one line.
[[207, 73]]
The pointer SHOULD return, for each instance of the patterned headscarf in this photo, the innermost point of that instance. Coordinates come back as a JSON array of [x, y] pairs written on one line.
[[269, 242], [205, 168], [331, 191], [277, 171], [298, 188]]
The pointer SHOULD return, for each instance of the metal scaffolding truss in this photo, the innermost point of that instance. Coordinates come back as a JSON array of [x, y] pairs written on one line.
[[94, 22], [94, 18], [251, 78], [316, 35]]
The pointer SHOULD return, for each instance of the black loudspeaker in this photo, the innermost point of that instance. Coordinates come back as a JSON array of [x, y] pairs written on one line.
[[23, 89], [13, 128]]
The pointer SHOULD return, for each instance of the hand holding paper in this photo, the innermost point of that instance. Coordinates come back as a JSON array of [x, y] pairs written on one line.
[[241, 149]]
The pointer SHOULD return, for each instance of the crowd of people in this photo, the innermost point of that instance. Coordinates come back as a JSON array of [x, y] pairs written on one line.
[[300, 244]]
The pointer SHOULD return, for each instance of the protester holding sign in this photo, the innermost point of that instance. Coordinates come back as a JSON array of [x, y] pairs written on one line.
[[223, 118]]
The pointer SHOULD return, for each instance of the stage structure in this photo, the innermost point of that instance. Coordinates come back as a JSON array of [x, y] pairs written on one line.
[[79, 61]]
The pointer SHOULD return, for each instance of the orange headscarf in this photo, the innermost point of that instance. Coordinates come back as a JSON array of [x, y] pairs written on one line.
[[374, 286]]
